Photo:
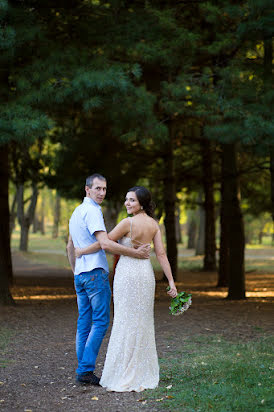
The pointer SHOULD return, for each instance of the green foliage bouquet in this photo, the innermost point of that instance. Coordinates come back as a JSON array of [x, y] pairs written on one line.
[[180, 304]]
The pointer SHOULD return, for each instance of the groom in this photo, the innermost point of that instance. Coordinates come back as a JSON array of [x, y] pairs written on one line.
[[91, 282]]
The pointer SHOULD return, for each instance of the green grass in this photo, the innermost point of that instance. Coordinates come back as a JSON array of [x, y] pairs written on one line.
[[44, 249], [5, 337], [213, 374], [259, 266], [40, 242]]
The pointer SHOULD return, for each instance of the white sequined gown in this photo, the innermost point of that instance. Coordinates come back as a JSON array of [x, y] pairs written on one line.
[[131, 361]]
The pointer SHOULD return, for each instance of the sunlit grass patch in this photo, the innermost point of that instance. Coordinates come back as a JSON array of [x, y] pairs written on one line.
[[40, 242], [5, 337], [212, 374]]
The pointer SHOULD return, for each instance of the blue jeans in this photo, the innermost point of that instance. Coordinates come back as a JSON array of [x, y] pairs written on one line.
[[93, 299]]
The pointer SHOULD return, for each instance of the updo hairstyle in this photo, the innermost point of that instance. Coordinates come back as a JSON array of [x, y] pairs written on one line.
[[144, 197]]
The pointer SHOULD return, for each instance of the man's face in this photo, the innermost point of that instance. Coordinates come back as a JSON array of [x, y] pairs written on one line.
[[98, 190]]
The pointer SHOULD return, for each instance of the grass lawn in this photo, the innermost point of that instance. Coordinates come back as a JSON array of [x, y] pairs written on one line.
[[5, 337], [212, 374], [44, 249]]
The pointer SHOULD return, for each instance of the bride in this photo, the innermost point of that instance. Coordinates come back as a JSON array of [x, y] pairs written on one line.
[[131, 361]]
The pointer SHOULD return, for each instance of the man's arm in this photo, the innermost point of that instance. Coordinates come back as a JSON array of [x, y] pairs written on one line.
[[70, 253], [110, 246]]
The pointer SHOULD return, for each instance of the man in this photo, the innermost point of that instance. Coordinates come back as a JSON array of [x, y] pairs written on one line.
[[92, 287]]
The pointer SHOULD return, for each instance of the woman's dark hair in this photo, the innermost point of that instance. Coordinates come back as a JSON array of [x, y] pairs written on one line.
[[144, 197]]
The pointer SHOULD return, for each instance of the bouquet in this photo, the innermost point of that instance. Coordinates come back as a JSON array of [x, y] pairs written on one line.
[[180, 304]]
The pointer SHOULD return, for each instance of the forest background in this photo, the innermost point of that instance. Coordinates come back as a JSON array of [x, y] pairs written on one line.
[[174, 95]]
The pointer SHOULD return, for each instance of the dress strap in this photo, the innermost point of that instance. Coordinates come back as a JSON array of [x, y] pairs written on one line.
[[130, 233]]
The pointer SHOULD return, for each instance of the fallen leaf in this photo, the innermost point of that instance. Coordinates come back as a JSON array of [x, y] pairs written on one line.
[[138, 400], [94, 398], [169, 386], [169, 397], [23, 384]]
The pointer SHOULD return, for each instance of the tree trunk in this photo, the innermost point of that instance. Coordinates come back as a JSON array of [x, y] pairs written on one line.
[[25, 219], [235, 225], [178, 226], [191, 230], [209, 206], [272, 185], [13, 213], [170, 205], [35, 223], [223, 271], [42, 220], [200, 245], [5, 252], [268, 79], [111, 212], [57, 212]]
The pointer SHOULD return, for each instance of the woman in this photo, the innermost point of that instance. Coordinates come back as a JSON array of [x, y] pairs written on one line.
[[131, 361]]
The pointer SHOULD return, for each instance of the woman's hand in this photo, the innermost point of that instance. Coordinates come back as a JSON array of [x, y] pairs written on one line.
[[172, 291], [78, 252]]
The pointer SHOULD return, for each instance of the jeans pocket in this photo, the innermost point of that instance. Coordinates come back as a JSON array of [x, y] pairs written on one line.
[[105, 276]]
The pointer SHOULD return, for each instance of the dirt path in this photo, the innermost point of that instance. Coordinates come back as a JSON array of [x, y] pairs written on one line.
[[39, 373]]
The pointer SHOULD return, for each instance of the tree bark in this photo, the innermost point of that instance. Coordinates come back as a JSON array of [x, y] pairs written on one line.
[[111, 212], [13, 213], [268, 80], [178, 226], [191, 230], [57, 213], [235, 225], [5, 252], [42, 220], [200, 244], [223, 270], [209, 206], [272, 185], [170, 205], [25, 219]]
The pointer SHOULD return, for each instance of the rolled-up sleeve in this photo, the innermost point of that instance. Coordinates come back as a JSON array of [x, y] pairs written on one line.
[[95, 221]]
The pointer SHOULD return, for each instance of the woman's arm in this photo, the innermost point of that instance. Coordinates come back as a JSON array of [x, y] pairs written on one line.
[[117, 233], [108, 243], [70, 253], [163, 260], [92, 248]]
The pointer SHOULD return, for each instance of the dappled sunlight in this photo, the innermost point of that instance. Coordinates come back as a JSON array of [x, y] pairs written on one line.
[[44, 297], [200, 284], [42, 293]]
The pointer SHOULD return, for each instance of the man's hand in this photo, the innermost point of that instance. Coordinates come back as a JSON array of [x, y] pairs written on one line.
[[143, 252]]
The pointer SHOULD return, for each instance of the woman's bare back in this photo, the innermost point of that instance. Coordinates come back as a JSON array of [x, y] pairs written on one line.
[[143, 229]]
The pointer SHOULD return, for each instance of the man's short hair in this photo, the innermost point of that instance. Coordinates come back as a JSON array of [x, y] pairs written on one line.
[[89, 180]]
